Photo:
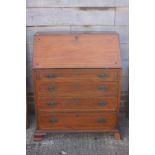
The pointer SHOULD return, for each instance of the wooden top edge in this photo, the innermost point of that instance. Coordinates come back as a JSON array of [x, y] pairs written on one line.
[[118, 67], [74, 33]]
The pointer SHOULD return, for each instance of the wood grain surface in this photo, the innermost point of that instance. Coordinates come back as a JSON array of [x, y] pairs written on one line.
[[77, 120], [74, 88], [51, 104], [76, 50], [61, 74]]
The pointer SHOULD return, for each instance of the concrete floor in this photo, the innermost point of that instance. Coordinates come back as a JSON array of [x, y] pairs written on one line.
[[79, 143]]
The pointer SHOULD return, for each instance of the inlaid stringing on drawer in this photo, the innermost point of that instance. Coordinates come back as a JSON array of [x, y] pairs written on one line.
[[74, 103], [102, 74], [77, 120], [81, 88]]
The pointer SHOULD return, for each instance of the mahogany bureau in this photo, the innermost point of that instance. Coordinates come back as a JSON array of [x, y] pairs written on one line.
[[77, 82]]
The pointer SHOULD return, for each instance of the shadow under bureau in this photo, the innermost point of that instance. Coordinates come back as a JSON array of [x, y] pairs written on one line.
[[77, 82]]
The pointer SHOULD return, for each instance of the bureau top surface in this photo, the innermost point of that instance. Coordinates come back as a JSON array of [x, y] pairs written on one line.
[[76, 50]]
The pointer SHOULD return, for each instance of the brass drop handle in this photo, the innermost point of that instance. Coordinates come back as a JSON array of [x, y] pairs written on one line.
[[102, 103], [51, 76], [51, 103], [103, 75], [101, 120], [53, 120], [103, 88], [51, 88]]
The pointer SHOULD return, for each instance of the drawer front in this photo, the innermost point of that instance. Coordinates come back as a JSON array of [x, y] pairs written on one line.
[[53, 103], [86, 88], [77, 120], [102, 74]]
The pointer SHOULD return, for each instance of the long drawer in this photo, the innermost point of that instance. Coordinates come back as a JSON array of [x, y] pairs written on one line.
[[99, 74], [82, 88], [77, 120], [55, 103]]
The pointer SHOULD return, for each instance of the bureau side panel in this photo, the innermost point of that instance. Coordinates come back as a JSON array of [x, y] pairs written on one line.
[[35, 96], [119, 94]]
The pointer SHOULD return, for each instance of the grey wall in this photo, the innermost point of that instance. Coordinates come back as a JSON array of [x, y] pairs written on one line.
[[78, 15]]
